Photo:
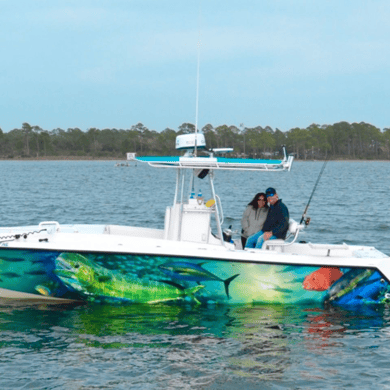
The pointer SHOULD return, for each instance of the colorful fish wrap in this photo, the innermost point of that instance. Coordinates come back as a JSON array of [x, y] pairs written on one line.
[[121, 278]]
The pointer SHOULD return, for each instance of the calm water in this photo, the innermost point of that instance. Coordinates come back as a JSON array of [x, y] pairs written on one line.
[[155, 347]]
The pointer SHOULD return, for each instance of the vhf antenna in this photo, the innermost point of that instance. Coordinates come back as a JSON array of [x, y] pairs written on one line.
[[197, 84]]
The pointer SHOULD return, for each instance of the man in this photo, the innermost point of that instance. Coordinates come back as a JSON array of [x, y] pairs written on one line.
[[276, 224]]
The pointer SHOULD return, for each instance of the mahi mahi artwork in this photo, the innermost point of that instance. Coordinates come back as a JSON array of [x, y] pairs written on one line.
[[96, 282], [121, 278]]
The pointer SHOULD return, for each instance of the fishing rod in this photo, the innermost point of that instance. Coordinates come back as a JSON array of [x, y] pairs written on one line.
[[307, 221]]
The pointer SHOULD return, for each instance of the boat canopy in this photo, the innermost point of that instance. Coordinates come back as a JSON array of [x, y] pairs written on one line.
[[190, 160], [211, 162]]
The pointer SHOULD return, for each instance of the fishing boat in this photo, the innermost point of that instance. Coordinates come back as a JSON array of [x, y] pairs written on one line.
[[192, 260]]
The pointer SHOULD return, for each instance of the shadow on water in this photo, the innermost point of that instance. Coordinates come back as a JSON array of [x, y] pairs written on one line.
[[181, 347]]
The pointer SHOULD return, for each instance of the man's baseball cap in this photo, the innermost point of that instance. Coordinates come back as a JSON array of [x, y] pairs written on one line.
[[270, 192]]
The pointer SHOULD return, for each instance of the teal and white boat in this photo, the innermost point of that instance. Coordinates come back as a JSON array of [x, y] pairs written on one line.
[[190, 260]]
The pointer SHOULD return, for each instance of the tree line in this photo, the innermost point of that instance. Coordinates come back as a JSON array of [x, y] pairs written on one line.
[[341, 140]]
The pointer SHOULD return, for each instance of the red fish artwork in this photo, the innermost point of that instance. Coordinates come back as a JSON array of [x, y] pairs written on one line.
[[322, 279]]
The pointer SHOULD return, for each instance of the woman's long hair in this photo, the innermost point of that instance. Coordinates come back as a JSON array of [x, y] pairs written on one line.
[[254, 203]]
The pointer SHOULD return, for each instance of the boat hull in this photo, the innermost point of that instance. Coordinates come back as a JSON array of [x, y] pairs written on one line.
[[140, 278]]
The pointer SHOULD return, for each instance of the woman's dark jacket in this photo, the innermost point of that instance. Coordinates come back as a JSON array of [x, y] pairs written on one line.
[[277, 220]]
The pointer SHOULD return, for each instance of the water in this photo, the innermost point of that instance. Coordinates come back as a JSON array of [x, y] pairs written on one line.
[[154, 347]]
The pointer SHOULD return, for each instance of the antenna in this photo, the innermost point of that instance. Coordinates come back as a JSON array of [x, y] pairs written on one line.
[[197, 84]]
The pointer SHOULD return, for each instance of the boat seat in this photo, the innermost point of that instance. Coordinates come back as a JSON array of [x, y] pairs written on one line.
[[293, 230], [274, 242], [133, 231]]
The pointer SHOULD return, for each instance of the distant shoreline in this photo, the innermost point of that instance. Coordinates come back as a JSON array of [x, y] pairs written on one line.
[[79, 158]]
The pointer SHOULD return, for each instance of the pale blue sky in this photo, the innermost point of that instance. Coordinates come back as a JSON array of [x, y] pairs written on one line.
[[114, 63]]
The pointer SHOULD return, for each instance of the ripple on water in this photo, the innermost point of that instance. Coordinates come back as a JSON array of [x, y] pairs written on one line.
[[251, 347], [169, 347]]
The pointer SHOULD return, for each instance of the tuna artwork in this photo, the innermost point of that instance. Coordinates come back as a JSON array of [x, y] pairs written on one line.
[[193, 272]]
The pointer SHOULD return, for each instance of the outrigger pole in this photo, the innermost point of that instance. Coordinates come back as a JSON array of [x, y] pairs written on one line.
[[311, 196]]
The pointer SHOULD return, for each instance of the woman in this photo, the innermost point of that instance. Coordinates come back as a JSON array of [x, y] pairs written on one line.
[[254, 216]]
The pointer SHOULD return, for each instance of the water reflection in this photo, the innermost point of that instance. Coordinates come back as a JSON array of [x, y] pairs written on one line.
[[173, 346]]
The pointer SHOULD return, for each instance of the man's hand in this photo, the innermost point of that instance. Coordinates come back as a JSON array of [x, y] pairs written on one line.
[[267, 236]]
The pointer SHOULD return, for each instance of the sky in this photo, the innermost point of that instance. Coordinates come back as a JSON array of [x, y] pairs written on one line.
[[115, 63]]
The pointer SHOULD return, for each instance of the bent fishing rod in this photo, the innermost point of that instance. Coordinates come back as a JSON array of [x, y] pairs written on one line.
[[307, 221]]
